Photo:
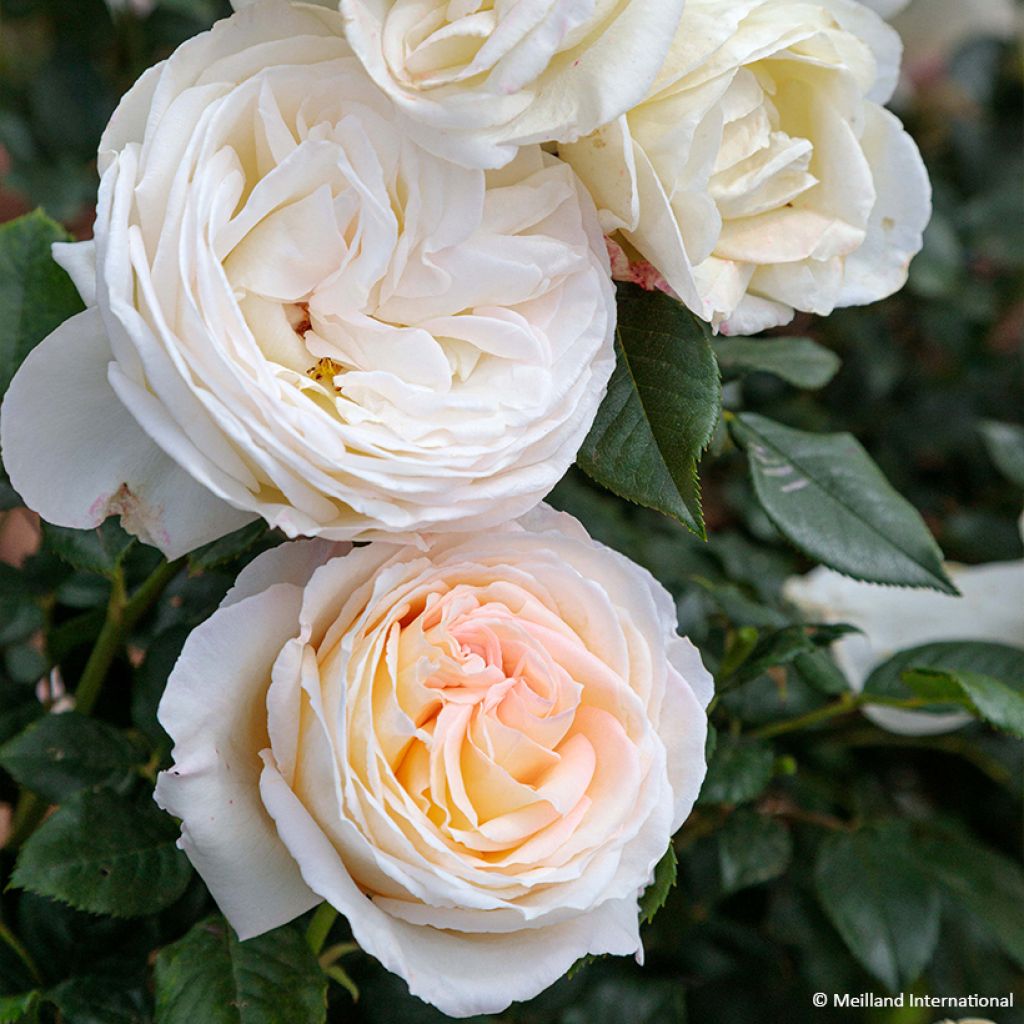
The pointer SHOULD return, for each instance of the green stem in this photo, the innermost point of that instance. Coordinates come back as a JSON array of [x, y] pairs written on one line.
[[123, 613], [990, 767], [21, 952], [846, 705], [320, 926]]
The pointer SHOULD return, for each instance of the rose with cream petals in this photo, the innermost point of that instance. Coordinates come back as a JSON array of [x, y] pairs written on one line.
[[475, 79], [298, 313], [477, 752], [761, 175]]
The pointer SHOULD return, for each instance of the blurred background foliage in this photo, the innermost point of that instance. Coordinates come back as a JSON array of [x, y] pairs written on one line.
[[745, 935]]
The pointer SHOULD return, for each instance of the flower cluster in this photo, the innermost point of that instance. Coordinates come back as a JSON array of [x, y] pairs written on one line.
[[350, 275]]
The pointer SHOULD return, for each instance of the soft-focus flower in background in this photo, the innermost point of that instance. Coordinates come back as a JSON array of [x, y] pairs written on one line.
[[933, 30], [296, 312], [891, 619], [477, 752], [762, 175]]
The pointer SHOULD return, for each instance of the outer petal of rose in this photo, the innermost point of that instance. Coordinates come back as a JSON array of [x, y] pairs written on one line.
[[684, 726], [604, 163], [886, 8], [755, 314], [657, 236], [883, 40], [76, 455], [79, 262], [629, 53], [460, 974], [215, 709], [894, 619], [293, 562], [902, 209]]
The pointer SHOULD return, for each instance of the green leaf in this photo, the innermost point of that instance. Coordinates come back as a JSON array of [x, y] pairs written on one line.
[[20, 616], [797, 361], [826, 496], [99, 551], [58, 755], [1005, 444], [656, 893], [817, 669], [980, 881], [986, 697], [96, 1000], [210, 976], [752, 848], [36, 296], [659, 414], [1000, 661], [776, 648], [228, 548], [13, 1008], [102, 853], [625, 1000], [880, 900], [739, 771]]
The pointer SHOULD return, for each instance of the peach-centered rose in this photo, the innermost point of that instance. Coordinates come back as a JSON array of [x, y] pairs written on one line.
[[477, 752]]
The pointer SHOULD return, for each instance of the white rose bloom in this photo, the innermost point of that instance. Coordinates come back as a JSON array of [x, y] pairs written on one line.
[[761, 175], [893, 619], [297, 313], [477, 752], [475, 80]]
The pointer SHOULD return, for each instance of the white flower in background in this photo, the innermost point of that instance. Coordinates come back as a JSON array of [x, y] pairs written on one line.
[[762, 175], [476, 751], [296, 312], [893, 619]]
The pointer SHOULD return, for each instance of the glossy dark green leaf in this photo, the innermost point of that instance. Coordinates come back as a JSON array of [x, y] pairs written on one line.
[[60, 754], [36, 296], [1000, 661], [738, 772], [752, 848], [798, 361], [981, 882], [829, 499], [986, 697], [228, 548], [103, 853], [94, 1000], [98, 551], [656, 893], [210, 976], [874, 890], [1005, 444], [662, 405]]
